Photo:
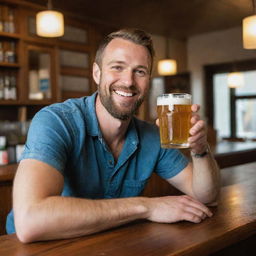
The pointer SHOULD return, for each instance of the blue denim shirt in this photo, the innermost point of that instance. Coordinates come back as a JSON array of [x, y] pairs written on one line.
[[67, 136]]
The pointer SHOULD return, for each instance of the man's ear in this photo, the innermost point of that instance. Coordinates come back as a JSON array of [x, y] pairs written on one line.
[[96, 73]]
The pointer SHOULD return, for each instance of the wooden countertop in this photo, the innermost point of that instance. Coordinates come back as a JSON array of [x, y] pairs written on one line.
[[234, 220], [7, 172], [227, 147], [234, 153]]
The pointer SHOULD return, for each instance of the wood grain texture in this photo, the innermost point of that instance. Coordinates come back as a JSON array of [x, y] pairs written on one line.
[[5, 203], [6, 178]]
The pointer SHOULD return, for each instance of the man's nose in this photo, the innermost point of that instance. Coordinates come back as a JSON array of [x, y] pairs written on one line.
[[128, 77]]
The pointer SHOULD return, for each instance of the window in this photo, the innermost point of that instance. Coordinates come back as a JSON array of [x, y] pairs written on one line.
[[235, 109], [232, 111]]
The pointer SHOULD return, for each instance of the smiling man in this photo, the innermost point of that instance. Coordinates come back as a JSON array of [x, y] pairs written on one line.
[[123, 77], [94, 148]]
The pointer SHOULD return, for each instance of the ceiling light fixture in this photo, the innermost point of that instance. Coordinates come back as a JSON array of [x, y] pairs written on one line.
[[49, 23], [167, 66], [249, 29]]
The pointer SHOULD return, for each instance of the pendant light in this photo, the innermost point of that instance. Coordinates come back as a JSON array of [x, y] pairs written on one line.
[[249, 29], [49, 23], [167, 66]]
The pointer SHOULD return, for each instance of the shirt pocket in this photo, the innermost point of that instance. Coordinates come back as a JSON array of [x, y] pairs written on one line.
[[132, 188]]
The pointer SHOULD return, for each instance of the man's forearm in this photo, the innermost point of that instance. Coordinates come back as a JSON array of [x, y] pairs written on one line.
[[59, 217], [206, 178], [64, 217]]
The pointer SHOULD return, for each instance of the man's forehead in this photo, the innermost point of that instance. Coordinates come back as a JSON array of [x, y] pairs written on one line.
[[119, 43], [119, 46]]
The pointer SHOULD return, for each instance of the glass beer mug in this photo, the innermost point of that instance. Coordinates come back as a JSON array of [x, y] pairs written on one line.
[[174, 113]]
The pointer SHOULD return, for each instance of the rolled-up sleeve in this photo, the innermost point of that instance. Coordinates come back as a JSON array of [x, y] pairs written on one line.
[[170, 163]]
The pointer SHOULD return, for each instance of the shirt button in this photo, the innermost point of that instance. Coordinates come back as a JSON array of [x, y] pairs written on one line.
[[110, 162]]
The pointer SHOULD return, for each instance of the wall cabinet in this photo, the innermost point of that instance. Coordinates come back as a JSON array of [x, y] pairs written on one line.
[[41, 71], [40, 74]]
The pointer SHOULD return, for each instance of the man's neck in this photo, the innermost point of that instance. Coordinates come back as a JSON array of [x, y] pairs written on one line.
[[113, 129]]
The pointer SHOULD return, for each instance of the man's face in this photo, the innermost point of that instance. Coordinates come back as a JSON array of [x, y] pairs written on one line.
[[123, 78]]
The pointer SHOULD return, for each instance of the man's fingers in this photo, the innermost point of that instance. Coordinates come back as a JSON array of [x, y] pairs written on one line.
[[195, 107], [188, 216], [198, 212], [200, 125], [197, 208], [195, 118], [198, 138]]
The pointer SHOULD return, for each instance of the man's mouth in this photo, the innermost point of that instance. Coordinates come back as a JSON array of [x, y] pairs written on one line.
[[124, 94]]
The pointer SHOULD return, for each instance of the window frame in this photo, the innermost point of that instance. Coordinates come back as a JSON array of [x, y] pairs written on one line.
[[209, 72]]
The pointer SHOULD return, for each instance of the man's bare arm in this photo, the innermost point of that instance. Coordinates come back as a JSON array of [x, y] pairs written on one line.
[[201, 179], [40, 212]]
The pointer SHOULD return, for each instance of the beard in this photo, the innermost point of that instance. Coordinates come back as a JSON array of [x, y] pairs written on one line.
[[123, 112]]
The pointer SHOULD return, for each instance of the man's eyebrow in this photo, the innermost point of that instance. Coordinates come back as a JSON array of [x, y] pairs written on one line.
[[123, 63], [115, 62], [141, 66]]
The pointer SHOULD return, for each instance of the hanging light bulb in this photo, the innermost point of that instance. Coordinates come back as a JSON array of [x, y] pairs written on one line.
[[49, 23], [167, 66], [235, 80], [249, 30]]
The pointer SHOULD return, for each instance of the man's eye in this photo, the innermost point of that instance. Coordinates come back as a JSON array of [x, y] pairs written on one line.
[[141, 72], [118, 68]]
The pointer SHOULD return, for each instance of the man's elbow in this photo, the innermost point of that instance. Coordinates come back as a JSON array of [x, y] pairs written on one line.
[[24, 235], [210, 198], [26, 228]]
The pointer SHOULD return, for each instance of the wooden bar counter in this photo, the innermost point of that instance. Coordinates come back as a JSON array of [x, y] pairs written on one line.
[[234, 221]]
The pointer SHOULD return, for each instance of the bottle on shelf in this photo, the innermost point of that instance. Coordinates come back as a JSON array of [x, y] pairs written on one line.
[[3, 151], [1, 52], [1, 19], [13, 87], [5, 18], [1, 85], [7, 87], [44, 83], [9, 53], [10, 21]]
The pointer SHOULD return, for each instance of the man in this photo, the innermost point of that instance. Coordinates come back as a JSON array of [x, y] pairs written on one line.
[[93, 148]]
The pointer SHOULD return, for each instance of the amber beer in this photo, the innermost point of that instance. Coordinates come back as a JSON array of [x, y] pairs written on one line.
[[174, 113]]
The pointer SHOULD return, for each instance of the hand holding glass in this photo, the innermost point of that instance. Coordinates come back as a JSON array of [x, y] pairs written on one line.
[[174, 113]]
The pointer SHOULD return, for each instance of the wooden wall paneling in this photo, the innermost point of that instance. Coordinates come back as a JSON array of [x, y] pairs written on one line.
[[5, 203]]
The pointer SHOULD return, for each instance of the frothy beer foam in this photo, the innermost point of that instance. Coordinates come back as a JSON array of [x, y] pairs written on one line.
[[174, 99]]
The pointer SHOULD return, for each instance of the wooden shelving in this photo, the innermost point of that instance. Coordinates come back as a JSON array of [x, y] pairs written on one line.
[[9, 65], [9, 35], [79, 43]]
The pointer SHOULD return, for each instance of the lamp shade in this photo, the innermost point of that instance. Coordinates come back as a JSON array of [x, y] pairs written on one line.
[[235, 80], [49, 24], [167, 67], [249, 32]]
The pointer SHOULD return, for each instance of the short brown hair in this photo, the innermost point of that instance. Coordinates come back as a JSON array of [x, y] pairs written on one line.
[[134, 35]]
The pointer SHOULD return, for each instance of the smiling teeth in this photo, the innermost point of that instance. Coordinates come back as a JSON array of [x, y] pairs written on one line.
[[125, 94]]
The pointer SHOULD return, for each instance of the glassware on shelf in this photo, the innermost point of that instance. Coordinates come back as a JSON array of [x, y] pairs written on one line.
[[39, 75]]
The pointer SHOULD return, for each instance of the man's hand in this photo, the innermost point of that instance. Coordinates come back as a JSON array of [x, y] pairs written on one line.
[[171, 209], [198, 132]]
